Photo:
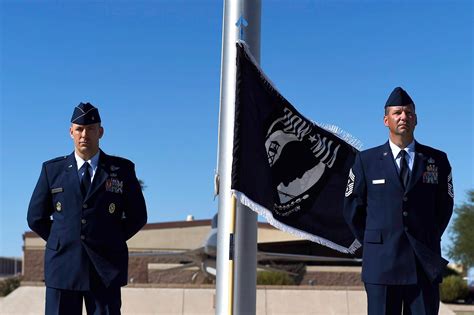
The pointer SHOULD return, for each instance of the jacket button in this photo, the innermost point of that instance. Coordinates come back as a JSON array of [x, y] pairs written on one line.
[[405, 213], [83, 221], [406, 228], [83, 237], [84, 205], [405, 198]]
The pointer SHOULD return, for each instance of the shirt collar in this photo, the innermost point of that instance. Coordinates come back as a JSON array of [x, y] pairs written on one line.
[[94, 161], [410, 149]]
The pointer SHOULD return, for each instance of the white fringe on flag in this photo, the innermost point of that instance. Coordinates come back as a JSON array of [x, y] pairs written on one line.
[[341, 134], [267, 214]]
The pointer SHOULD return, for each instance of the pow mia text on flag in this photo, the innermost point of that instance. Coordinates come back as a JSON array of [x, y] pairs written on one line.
[[285, 167]]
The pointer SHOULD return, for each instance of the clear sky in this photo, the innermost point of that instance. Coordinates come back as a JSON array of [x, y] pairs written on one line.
[[153, 69]]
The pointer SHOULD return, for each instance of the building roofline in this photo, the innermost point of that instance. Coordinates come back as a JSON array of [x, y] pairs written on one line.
[[170, 225], [176, 224]]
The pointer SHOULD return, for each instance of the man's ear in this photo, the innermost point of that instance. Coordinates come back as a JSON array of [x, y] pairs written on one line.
[[101, 132], [385, 120], [70, 132]]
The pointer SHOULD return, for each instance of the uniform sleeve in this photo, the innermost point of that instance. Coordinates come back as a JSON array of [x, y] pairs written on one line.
[[135, 208], [355, 202], [40, 209], [445, 196]]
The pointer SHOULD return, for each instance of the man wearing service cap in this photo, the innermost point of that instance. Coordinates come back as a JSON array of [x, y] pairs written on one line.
[[398, 202], [86, 205]]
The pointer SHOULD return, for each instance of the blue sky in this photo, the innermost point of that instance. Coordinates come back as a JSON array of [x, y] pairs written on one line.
[[153, 69]]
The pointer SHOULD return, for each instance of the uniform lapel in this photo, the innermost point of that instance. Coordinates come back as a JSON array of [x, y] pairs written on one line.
[[100, 176], [389, 166], [418, 166], [71, 177]]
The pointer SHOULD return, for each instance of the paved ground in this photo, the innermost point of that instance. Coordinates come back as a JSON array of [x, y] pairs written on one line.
[[461, 309], [29, 300]]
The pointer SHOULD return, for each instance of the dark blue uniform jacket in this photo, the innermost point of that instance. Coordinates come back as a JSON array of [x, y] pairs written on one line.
[[91, 231], [399, 228]]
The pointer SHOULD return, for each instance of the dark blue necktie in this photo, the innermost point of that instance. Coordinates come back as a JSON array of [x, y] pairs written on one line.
[[404, 170], [86, 179]]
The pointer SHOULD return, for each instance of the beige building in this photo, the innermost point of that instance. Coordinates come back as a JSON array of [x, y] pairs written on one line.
[[153, 251]]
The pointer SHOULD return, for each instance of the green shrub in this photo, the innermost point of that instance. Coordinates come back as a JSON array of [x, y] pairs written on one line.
[[274, 278], [453, 288], [8, 285]]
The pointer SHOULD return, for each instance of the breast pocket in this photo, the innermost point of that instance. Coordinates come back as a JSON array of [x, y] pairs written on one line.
[[377, 189], [58, 200], [112, 205], [430, 195]]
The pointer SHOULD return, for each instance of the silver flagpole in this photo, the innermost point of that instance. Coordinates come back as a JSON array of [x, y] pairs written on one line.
[[237, 226]]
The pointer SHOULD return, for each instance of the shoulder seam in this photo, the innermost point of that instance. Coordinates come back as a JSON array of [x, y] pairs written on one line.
[[57, 159]]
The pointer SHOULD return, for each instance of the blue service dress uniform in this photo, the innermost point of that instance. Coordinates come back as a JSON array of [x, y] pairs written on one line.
[[86, 236], [400, 229]]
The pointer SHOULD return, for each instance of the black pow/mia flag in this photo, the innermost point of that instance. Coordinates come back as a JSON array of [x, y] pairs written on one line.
[[285, 167]]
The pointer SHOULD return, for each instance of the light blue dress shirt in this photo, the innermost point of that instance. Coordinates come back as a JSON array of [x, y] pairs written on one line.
[[410, 156], [93, 162]]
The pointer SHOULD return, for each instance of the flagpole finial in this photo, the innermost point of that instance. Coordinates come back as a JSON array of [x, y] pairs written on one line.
[[241, 23]]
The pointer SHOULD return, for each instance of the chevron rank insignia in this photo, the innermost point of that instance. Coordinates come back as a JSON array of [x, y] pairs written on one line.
[[350, 183]]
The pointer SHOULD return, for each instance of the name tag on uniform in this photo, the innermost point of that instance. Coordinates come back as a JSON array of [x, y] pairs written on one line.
[[378, 181], [56, 190]]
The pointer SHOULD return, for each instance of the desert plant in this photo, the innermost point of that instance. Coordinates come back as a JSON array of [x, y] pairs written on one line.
[[274, 278], [8, 285], [462, 233], [453, 288]]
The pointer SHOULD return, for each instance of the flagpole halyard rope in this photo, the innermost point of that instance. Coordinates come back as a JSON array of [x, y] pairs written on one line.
[[231, 253]]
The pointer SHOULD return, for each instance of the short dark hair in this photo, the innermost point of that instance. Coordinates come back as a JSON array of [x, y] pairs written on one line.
[[388, 107]]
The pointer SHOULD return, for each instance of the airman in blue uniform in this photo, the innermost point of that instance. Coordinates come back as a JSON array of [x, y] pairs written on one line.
[[399, 200], [86, 205]]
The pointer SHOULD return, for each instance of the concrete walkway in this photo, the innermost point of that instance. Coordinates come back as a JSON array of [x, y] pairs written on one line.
[[29, 300]]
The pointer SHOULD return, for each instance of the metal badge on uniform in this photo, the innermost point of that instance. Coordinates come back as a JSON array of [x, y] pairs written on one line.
[[56, 190], [112, 208], [59, 207], [378, 181], [431, 160], [114, 185], [114, 168], [431, 174]]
